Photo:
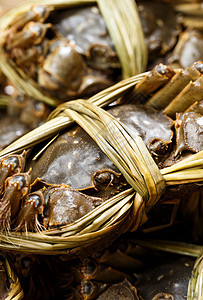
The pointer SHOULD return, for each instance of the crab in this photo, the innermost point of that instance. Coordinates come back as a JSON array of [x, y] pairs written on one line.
[[73, 168], [54, 62], [73, 173], [125, 269], [70, 54]]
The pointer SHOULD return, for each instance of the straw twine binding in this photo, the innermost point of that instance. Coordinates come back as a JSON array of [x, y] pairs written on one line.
[[125, 211], [15, 290], [128, 40]]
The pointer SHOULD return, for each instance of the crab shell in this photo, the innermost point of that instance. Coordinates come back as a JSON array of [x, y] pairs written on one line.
[[10, 130], [168, 280], [85, 28], [75, 159]]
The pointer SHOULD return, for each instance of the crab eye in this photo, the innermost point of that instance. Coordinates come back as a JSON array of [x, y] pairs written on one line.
[[39, 106], [35, 28], [104, 177], [39, 10], [199, 67], [36, 199], [162, 69], [19, 179], [13, 161], [88, 268], [86, 288]]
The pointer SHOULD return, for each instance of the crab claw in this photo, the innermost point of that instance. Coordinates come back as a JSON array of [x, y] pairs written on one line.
[[10, 165], [16, 187]]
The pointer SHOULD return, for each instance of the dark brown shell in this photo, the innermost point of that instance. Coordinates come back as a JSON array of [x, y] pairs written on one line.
[[85, 28], [66, 205], [73, 158], [166, 281], [10, 130]]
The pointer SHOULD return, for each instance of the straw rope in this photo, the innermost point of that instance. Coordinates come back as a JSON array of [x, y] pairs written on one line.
[[195, 287], [15, 290]]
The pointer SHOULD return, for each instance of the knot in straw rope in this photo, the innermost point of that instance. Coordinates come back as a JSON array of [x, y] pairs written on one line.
[[125, 148]]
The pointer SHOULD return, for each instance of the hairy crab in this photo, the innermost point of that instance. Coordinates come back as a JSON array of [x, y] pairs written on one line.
[[73, 176], [124, 270], [61, 196], [68, 57], [74, 160]]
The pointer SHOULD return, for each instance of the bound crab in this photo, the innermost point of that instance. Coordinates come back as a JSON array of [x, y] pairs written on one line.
[[68, 56], [76, 176]]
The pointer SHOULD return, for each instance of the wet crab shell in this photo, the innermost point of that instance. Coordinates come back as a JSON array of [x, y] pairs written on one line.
[[166, 281], [74, 158], [85, 28], [10, 130]]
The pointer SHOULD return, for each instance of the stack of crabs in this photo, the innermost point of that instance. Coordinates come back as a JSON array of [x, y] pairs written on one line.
[[69, 54]]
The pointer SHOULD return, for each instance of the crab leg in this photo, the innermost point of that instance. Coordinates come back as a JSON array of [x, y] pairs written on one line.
[[16, 187], [37, 14], [196, 107], [191, 93], [156, 78], [165, 95], [33, 205], [33, 32], [9, 166], [93, 271]]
